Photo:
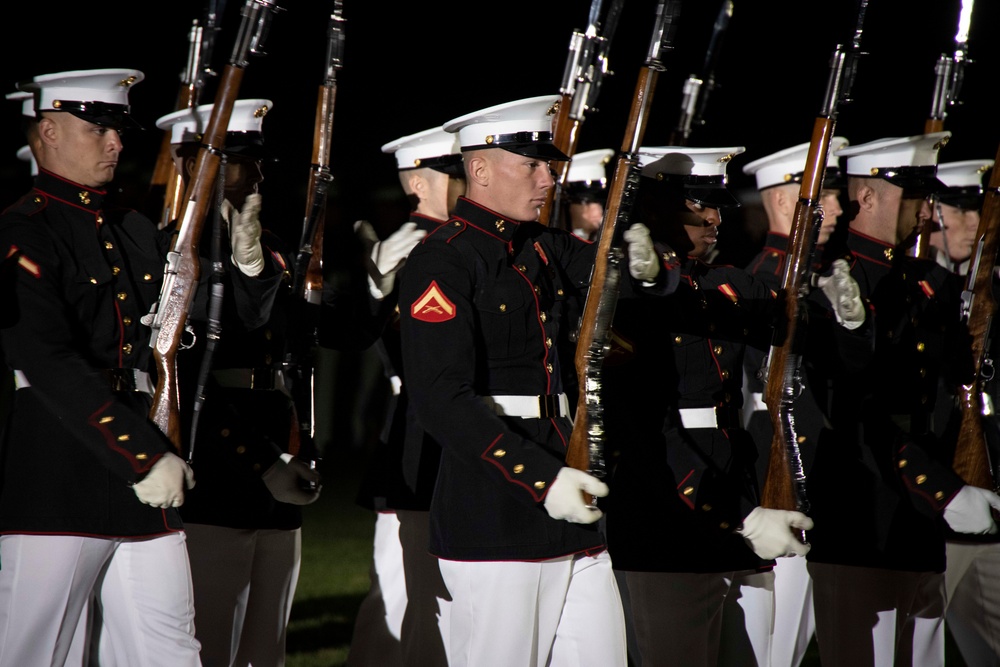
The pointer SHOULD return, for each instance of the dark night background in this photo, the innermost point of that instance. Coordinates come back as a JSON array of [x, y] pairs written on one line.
[[410, 66]]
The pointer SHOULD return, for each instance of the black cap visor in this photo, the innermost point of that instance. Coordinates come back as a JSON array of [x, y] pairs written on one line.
[[529, 144], [915, 181], [450, 164], [967, 199], [712, 197], [249, 145], [115, 116], [710, 191], [581, 192]]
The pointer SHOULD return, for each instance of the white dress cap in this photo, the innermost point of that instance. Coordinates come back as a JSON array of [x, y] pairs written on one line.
[[871, 158], [24, 153], [190, 124], [700, 171], [424, 148], [522, 126], [590, 166], [27, 100], [964, 174], [788, 165], [657, 161], [110, 86], [963, 183]]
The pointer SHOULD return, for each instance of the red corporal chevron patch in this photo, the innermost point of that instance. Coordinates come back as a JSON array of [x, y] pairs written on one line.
[[25, 263], [433, 305], [728, 290]]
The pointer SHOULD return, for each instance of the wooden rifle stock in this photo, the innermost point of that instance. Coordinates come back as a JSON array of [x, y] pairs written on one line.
[[586, 446], [784, 484], [183, 269], [979, 305], [779, 490], [307, 290]]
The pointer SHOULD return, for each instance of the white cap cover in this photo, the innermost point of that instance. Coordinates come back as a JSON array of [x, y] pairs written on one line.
[[590, 166], [788, 165], [423, 148], [522, 126]]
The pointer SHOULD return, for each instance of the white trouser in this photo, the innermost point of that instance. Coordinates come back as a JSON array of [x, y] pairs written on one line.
[[244, 584], [794, 621], [378, 625], [972, 581], [702, 619], [563, 612], [143, 587], [424, 632], [872, 616]]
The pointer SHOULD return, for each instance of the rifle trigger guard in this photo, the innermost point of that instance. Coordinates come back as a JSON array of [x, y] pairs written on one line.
[[188, 338], [988, 370], [818, 216]]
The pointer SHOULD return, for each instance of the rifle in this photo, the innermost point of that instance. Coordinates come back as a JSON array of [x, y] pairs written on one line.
[[784, 486], [307, 281], [183, 268], [586, 445], [586, 67], [696, 89], [971, 461], [950, 72], [166, 187]]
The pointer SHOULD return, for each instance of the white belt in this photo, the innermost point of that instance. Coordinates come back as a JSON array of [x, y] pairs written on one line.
[[704, 418], [530, 407], [121, 379], [757, 402]]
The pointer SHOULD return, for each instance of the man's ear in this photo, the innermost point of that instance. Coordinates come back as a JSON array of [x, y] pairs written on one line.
[[418, 185], [48, 131], [478, 170], [786, 198], [866, 197]]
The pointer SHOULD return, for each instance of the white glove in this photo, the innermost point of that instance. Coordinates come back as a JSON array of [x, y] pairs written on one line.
[[164, 485], [565, 497], [288, 478], [969, 511], [845, 296], [643, 264], [769, 532], [244, 237], [387, 257]]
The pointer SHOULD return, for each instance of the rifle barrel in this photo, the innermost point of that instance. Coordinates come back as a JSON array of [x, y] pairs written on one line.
[[184, 267], [585, 449]]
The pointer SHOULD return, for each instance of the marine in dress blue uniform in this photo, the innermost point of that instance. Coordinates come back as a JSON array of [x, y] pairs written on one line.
[[90, 487], [586, 192], [407, 599], [481, 304], [778, 179], [673, 381], [972, 587], [244, 518], [881, 481]]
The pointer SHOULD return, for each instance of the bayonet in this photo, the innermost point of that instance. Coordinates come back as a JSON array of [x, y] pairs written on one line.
[[694, 95], [585, 69], [949, 72]]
